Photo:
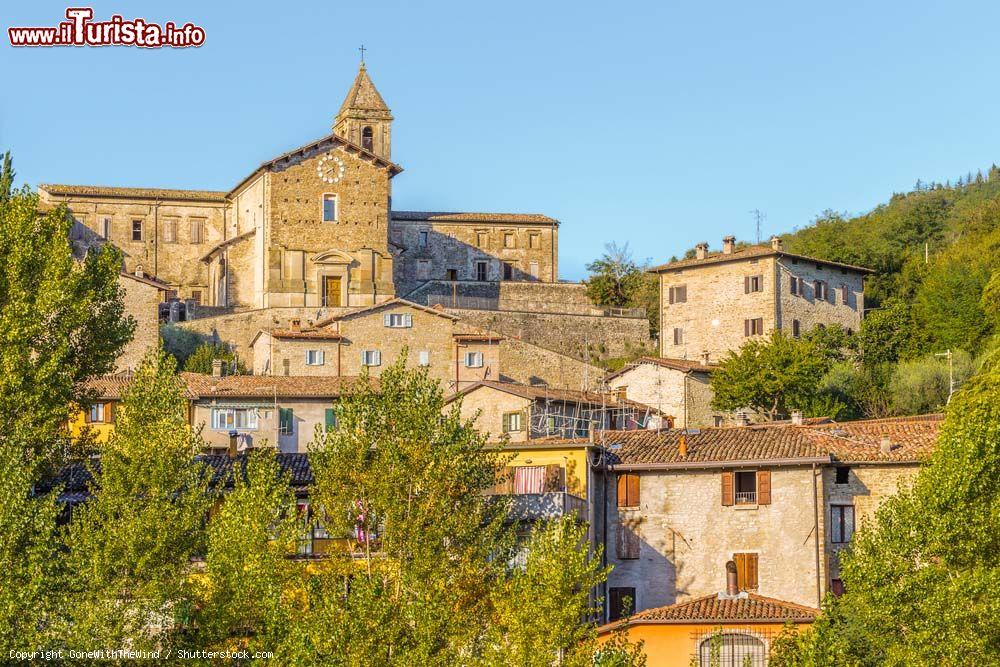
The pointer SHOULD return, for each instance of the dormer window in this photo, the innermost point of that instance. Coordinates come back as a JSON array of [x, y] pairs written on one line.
[[367, 138]]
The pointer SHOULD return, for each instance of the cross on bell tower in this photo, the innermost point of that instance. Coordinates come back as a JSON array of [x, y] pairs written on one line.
[[364, 119]]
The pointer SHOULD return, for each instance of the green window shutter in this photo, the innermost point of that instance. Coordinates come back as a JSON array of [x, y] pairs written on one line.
[[285, 420], [331, 419], [506, 423]]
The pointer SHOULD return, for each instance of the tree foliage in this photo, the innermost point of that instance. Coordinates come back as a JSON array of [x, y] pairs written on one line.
[[61, 320], [616, 280], [200, 361], [922, 579]]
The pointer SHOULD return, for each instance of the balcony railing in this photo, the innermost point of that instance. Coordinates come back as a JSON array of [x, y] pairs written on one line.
[[550, 505], [746, 497]]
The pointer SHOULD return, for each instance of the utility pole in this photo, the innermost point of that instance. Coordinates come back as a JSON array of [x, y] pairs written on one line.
[[951, 373], [759, 217]]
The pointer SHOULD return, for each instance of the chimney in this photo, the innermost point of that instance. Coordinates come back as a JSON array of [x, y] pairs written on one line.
[[742, 419], [732, 580], [233, 448], [216, 368], [704, 358], [682, 445], [886, 445], [776, 243], [728, 245], [296, 325], [139, 272], [701, 250], [797, 417]]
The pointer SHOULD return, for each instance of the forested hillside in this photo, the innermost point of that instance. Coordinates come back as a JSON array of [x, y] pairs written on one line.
[[934, 248]]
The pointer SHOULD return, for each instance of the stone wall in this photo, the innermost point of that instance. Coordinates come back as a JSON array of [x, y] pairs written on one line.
[[686, 536], [867, 488], [169, 248], [537, 297], [142, 302], [686, 397], [526, 363], [568, 334], [457, 246], [810, 311]]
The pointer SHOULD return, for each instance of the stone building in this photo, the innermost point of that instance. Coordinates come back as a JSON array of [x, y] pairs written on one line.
[[677, 388], [522, 413], [311, 234], [142, 298], [780, 501], [713, 303]]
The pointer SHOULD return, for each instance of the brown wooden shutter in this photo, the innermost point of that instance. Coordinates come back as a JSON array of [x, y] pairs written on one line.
[[627, 540], [670, 292], [746, 571], [109, 412], [763, 487], [633, 490], [746, 328], [555, 478], [746, 284], [727, 488], [622, 494]]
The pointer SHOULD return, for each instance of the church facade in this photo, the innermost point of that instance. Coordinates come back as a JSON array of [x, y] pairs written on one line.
[[313, 227]]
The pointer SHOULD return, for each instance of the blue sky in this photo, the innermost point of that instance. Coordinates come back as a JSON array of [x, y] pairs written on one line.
[[659, 124]]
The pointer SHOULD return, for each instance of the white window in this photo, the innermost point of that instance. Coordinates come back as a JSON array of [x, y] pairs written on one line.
[[398, 320], [96, 413], [371, 358], [106, 227], [423, 269], [511, 422], [424, 358], [315, 357], [422, 238], [329, 208], [473, 359], [228, 419]]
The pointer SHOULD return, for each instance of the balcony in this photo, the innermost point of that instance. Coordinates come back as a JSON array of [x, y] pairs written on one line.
[[549, 505], [746, 497]]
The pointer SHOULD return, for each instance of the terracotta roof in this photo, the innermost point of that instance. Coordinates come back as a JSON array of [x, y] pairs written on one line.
[[363, 96], [477, 337], [385, 304], [305, 334], [227, 242], [536, 393], [717, 608], [148, 280], [132, 193], [748, 253], [683, 365], [436, 216], [266, 386], [111, 387], [912, 440]]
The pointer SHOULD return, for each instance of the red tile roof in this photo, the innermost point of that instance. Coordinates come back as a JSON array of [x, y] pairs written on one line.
[[717, 608], [536, 393], [750, 252], [112, 387], [266, 386], [132, 193], [306, 334], [910, 440]]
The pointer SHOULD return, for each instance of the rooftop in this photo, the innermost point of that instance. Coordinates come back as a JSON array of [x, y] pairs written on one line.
[[536, 392], [751, 252], [132, 193], [455, 216], [682, 365], [266, 386], [717, 608]]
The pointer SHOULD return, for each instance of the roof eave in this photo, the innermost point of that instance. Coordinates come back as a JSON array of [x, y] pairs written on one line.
[[736, 463]]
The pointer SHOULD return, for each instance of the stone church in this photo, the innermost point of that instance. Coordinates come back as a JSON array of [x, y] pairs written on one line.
[[311, 235], [313, 227]]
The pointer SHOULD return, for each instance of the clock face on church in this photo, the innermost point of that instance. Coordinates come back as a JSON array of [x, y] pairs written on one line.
[[330, 169]]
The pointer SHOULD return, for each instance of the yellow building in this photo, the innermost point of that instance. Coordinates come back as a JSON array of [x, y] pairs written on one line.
[[97, 418], [724, 630]]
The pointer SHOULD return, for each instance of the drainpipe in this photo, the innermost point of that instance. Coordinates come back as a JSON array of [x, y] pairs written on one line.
[[604, 523], [819, 588]]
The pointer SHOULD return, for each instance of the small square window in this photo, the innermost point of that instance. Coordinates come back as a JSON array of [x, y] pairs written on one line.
[[96, 415], [424, 358], [137, 230], [843, 474], [398, 320], [315, 357], [482, 268], [482, 239], [534, 241], [509, 240], [746, 487], [371, 358], [512, 422], [106, 227], [329, 208], [621, 602], [473, 359], [508, 271], [196, 297]]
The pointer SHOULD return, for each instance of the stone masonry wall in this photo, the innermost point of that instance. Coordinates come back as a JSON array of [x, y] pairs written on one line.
[[685, 397], [537, 297], [809, 310], [686, 536], [142, 303], [523, 362], [567, 334]]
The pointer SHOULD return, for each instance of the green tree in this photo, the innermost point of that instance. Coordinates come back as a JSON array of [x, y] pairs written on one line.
[[201, 359], [920, 386], [130, 546], [249, 582], [615, 278], [922, 580], [61, 320], [770, 376]]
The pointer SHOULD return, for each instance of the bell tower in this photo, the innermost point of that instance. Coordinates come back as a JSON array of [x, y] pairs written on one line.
[[364, 119]]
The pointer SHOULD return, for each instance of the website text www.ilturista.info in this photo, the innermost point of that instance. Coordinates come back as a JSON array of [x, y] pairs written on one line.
[[81, 30]]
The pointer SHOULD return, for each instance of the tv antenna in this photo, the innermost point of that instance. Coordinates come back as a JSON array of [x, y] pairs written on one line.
[[759, 217]]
